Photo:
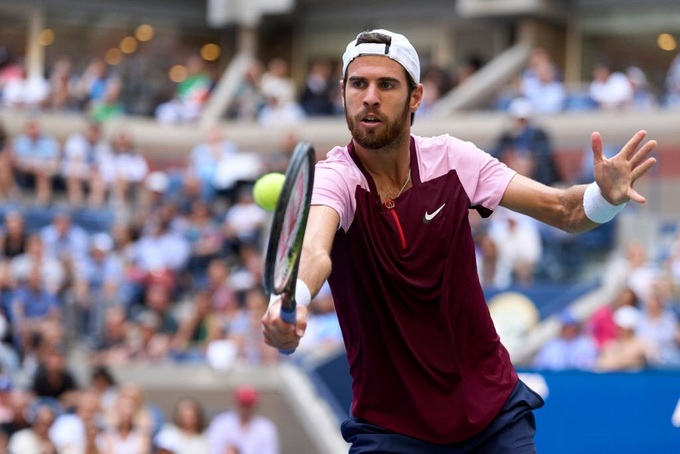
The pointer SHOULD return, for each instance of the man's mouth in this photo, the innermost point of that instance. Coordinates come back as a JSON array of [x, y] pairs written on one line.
[[371, 119]]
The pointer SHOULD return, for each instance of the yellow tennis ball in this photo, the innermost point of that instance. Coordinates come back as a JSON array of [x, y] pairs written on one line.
[[267, 190]]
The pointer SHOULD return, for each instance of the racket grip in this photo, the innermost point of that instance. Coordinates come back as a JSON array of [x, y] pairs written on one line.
[[289, 317]]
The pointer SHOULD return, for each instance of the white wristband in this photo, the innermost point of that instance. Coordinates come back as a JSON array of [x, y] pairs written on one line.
[[596, 207], [303, 296]]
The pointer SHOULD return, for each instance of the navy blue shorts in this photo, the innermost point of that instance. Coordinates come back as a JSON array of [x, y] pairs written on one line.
[[511, 432]]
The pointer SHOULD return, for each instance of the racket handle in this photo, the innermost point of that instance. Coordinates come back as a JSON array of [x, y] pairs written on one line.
[[289, 317]]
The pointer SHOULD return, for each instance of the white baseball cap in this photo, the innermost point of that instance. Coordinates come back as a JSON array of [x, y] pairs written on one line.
[[399, 50], [626, 317]]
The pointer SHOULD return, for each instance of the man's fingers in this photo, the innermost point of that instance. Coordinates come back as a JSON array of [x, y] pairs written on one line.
[[641, 154], [641, 169], [629, 149], [636, 196], [596, 144]]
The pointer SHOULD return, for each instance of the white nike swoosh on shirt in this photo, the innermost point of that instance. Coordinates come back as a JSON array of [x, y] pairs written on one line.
[[429, 216]]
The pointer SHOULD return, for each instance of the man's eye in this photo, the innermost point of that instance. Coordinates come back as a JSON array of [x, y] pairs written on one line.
[[358, 84], [386, 85]]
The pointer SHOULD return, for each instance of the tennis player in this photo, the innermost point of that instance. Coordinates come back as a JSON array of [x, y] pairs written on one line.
[[389, 229]]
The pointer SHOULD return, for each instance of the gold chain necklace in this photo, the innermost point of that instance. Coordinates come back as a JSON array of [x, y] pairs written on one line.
[[408, 178]]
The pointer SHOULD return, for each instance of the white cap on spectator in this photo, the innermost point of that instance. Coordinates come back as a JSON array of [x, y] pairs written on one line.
[[157, 181], [102, 242], [168, 440], [626, 317], [399, 50], [521, 108]]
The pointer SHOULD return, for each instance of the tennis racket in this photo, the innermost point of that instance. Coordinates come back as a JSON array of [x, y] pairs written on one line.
[[288, 230]]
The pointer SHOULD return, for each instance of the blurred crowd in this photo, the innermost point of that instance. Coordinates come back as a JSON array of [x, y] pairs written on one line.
[[637, 328], [269, 94], [105, 256]]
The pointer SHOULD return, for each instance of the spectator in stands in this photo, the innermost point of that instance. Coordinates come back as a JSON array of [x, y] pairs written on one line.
[[122, 434], [610, 90], [114, 345], [6, 409], [91, 87], [673, 261], [601, 325], [633, 270], [160, 256], [243, 221], [245, 330], [83, 152], [146, 417], [190, 95], [281, 106], [672, 97], [432, 93], [249, 99], [189, 191], [53, 380], [61, 81], [546, 93], [519, 247], [243, 428], [36, 161], [627, 351], [198, 326], [110, 106], [13, 235], [154, 204], [276, 80], [95, 287], [64, 239], [539, 59], [158, 299], [35, 439], [103, 383], [22, 402], [573, 349], [526, 147], [125, 170], [207, 155], [30, 92], [33, 305], [77, 432], [658, 326], [643, 97], [247, 271], [7, 184], [323, 333], [317, 95], [204, 234], [188, 428], [223, 299], [10, 68], [52, 270]]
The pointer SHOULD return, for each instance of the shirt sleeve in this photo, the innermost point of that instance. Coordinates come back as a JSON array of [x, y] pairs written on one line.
[[335, 183], [484, 177]]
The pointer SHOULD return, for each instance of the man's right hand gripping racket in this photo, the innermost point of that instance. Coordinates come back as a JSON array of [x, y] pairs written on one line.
[[288, 230]]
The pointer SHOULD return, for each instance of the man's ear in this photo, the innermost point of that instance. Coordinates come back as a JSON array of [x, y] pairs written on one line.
[[416, 98], [342, 92]]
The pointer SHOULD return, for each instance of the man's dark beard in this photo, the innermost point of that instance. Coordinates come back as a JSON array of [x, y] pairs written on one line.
[[374, 141]]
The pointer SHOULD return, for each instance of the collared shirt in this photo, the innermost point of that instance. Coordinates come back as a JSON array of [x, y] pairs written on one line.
[[424, 355]]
